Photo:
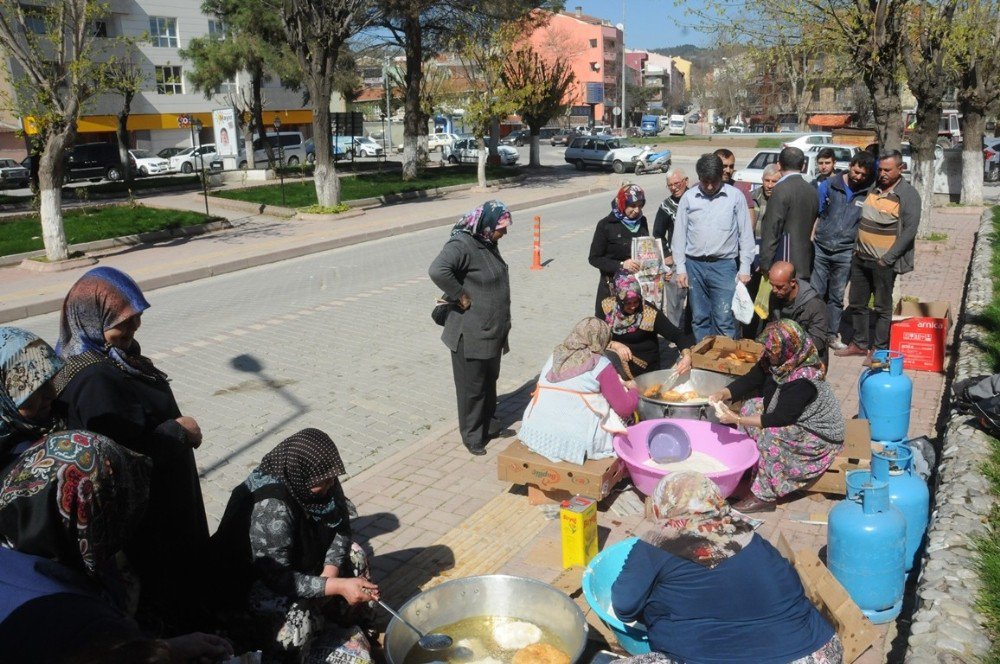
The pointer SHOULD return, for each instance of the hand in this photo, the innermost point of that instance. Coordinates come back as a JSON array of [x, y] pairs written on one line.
[[683, 365], [198, 647], [744, 278], [668, 259], [355, 590], [682, 281], [191, 430], [631, 265], [727, 416], [881, 263], [629, 385], [722, 395], [621, 350], [464, 301]]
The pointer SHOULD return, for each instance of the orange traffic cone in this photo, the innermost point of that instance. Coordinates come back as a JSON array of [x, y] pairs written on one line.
[[536, 258]]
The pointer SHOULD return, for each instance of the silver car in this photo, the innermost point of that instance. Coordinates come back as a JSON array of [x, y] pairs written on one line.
[[466, 151]]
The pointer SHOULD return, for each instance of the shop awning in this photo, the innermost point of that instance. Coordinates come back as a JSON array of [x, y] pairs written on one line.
[[830, 120]]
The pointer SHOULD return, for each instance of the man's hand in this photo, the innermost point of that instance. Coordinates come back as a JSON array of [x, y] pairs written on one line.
[[744, 278], [464, 301], [191, 430], [682, 281]]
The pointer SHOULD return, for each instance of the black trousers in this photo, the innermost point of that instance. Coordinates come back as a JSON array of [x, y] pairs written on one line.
[[476, 392], [869, 279]]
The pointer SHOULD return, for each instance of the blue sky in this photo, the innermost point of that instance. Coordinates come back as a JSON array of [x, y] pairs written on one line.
[[649, 24]]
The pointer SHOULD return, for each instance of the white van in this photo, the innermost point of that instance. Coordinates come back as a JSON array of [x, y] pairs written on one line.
[[678, 127], [290, 144]]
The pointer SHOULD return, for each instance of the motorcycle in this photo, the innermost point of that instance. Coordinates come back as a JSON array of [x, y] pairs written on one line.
[[650, 162]]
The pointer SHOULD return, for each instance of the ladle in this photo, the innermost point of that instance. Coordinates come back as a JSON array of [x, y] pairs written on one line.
[[431, 641]]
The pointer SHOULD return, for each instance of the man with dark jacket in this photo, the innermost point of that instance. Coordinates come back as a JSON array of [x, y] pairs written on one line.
[[789, 218], [840, 201], [794, 299]]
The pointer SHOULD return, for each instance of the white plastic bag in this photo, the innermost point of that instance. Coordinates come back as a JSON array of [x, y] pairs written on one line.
[[742, 304]]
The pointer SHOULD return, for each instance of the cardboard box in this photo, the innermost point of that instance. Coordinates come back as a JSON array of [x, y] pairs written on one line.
[[920, 332], [709, 354], [856, 455], [829, 597], [594, 479]]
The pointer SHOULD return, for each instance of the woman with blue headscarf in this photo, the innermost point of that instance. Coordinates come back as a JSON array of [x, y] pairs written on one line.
[[109, 387], [611, 248], [27, 366], [473, 276]]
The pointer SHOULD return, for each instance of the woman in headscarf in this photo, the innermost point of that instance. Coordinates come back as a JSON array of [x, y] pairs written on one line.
[[580, 402], [611, 248], [708, 589], [286, 559], [636, 328], [474, 277], [108, 386], [797, 423], [27, 366]]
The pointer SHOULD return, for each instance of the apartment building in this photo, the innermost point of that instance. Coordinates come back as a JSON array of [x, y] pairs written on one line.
[[156, 113], [658, 73]]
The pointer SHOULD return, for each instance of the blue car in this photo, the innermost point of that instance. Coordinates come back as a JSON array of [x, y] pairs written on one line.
[[310, 147]]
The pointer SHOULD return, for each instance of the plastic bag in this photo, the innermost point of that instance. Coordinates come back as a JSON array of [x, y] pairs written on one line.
[[762, 303], [742, 304]]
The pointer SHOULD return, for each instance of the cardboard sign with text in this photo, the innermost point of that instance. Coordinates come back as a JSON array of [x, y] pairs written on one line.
[[593, 479], [920, 332]]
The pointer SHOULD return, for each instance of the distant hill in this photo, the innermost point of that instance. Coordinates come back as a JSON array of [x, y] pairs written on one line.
[[686, 51]]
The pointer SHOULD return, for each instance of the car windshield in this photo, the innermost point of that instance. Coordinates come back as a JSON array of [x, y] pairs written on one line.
[[184, 152], [616, 143], [8, 163], [365, 139], [141, 154]]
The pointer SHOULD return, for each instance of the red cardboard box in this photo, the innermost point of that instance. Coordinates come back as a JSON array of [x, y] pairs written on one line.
[[920, 333]]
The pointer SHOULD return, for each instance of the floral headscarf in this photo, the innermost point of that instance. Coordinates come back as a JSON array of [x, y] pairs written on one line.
[[580, 351], [789, 352], [629, 194], [693, 520], [26, 364], [626, 288], [481, 222]]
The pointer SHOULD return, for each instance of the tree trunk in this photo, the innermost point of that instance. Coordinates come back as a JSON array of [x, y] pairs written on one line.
[[414, 117], [923, 142], [533, 155], [973, 126], [481, 166], [887, 109], [325, 175], [50, 175], [121, 132], [258, 119]]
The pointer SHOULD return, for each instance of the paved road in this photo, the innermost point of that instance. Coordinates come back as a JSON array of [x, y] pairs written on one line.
[[343, 341]]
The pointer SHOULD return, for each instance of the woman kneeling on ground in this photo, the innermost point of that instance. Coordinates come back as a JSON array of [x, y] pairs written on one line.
[[797, 423], [708, 589], [285, 556], [580, 402], [636, 328]]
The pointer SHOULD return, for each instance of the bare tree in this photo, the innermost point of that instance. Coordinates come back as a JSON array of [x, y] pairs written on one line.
[[540, 88], [124, 77]]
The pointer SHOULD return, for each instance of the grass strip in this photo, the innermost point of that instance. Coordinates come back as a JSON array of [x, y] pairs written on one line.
[[22, 234]]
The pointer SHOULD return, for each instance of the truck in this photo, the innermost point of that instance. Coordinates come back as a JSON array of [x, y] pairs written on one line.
[[650, 125], [677, 125], [949, 130]]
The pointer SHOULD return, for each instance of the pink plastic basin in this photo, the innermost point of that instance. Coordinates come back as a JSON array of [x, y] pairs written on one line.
[[728, 445]]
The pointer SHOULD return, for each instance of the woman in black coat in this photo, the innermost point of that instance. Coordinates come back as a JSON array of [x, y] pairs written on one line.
[[611, 247]]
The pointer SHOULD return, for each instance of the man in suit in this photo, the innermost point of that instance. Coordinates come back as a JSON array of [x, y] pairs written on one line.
[[790, 215]]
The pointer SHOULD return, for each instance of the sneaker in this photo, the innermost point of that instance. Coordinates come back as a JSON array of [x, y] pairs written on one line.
[[835, 343], [851, 350]]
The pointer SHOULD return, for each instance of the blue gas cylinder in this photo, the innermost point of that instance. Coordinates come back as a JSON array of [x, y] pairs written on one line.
[[866, 547], [907, 491], [885, 393]]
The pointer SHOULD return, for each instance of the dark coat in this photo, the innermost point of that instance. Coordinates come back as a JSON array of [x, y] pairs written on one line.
[[792, 209], [611, 246], [809, 311], [470, 266]]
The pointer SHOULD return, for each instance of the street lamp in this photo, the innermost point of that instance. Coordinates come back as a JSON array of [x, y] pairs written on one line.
[[281, 175], [198, 156]]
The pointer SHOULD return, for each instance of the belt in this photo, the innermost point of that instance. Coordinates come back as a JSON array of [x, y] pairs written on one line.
[[707, 259]]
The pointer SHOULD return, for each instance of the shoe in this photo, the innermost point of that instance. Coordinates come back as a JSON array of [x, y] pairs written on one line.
[[752, 504], [503, 433], [867, 362], [835, 343], [852, 350], [479, 450]]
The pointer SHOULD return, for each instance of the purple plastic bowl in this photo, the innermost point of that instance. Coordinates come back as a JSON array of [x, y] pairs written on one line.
[[728, 445], [668, 443]]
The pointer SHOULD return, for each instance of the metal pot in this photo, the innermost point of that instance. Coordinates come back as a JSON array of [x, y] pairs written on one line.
[[705, 382], [492, 595]]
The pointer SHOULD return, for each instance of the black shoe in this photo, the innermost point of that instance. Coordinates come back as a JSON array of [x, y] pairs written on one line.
[[503, 433], [476, 450]]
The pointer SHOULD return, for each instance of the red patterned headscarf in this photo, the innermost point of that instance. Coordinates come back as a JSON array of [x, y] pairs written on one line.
[[789, 352]]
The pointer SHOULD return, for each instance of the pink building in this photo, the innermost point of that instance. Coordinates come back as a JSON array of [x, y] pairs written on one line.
[[593, 46]]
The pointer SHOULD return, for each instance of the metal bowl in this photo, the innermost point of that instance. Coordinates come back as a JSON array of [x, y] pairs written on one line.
[[705, 382], [491, 595]]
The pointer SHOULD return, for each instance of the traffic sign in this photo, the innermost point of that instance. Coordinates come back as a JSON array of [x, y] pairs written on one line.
[[617, 111], [183, 120]]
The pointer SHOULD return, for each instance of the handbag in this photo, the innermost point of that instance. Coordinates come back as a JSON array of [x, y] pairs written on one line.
[[439, 314]]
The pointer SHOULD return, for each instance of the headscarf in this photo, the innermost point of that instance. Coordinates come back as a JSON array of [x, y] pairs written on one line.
[[26, 364], [300, 462], [75, 497], [693, 520], [789, 352], [580, 351], [481, 222], [629, 194], [625, 288], [101, 299]]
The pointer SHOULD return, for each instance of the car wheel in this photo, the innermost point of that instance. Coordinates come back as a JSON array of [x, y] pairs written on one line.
[[994, 174], [639, 168], [143, 171], [452, 159], [187, 168], [114, 174], [580, 166], [618, 166], [293, 161], [311, 158], [349, 154]]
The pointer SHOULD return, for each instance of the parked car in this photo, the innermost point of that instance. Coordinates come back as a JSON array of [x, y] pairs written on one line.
[[842, 154], [991, 159], [546, 133], [753, 173], [189, 160], [439, 141], [366, 147], [734, 129], [518, 137], [309, 145], [93, 161], [13, 175], [146, 163], [167, 153], [287, 146], [806, 141], [600, 130], [605, 152], [563, 137], [466, 151]]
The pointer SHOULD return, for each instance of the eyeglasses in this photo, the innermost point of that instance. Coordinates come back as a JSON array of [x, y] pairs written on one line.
[[673, 185]]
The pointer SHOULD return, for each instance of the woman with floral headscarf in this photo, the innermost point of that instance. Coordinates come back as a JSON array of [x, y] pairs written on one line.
[[708, 589], [580, 401], [284, 556], [27, 366], [611, 248], [636, 328], [108, 386], [797, 422], [474, 278]]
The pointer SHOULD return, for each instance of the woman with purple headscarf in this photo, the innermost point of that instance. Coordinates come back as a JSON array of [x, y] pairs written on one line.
[[109, 387], [611, 248]]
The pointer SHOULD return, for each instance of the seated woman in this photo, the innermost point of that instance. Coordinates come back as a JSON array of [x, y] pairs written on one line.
[[798, 424], [27, 366], [298, 584], [709, 589], [109, 387], [636, 326], [580, 401]]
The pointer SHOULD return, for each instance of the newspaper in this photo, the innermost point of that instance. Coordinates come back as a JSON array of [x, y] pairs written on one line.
[[653, 271]]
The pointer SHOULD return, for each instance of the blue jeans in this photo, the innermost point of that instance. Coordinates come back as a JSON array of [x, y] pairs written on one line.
[[711, 285], [831, 271]]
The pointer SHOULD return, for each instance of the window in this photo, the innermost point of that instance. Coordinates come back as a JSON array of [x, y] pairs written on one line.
[[163, 31], [34, 18], [216, 29], [815, 94], [168, 81], [593, 43], [100, 28]]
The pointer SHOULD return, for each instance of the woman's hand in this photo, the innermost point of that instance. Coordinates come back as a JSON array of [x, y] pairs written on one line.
[[683, 365], [632, 265], [191, 430], [355, 590], [722, 395], [464, 301], [725, 415], [198, 647], [621, 350], [629, 385]]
